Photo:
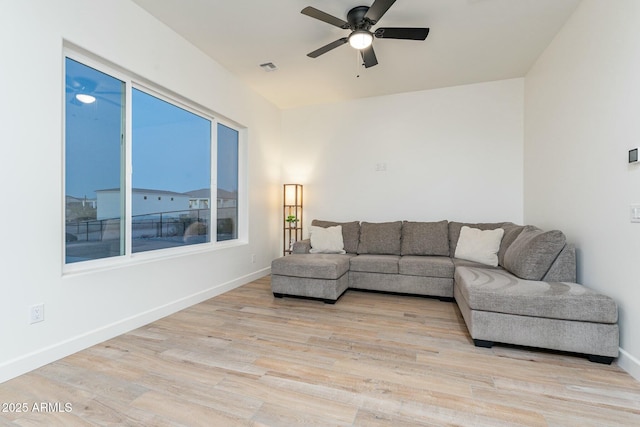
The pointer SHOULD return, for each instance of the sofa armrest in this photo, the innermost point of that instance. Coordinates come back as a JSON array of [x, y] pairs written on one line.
[[301, 246]]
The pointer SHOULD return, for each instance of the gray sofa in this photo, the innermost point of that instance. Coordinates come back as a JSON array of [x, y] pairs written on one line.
[[529, 298]]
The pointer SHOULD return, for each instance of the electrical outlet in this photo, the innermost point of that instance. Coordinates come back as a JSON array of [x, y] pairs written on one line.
[[36, 313], [253, 258]]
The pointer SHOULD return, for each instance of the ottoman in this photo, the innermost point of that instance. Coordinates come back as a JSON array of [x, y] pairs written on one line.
[[318, 276]]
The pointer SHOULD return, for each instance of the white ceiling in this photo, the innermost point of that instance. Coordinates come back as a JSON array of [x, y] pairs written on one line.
[[470, 41]]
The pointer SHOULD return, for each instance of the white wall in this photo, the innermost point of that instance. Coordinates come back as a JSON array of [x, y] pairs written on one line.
[[453, 153], [582, 115], [83, 309]]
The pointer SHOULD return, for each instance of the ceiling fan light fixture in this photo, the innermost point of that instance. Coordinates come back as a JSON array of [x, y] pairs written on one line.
[[85, 99], [360, 39]]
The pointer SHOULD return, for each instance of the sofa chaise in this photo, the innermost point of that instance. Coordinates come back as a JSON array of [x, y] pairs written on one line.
[[513, 284]]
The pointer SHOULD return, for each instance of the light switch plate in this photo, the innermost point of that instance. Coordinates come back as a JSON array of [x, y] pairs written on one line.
[[635, 213]]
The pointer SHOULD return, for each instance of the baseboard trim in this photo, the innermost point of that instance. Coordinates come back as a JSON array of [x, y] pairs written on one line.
[[28, 362], [629, 364]]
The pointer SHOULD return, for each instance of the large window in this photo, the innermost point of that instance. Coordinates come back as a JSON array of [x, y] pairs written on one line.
[[227, 183], [94, 157], [171, 162], [173, 151]]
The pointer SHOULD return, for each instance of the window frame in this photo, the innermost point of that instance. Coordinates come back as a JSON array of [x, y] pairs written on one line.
[[132, 81]]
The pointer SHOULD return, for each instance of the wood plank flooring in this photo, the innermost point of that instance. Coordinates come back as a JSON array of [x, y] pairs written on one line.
[[245, 358]]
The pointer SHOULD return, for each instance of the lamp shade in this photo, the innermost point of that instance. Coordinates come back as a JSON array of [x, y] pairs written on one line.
[[360, 39], [292, 194]]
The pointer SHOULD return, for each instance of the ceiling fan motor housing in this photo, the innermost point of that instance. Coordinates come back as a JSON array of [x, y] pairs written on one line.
[[357, 20]]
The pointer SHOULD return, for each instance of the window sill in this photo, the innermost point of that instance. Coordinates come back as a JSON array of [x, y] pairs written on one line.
[[94, 266]]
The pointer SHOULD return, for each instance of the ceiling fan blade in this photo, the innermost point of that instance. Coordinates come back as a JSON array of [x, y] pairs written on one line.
[[377, 9], [81, 83], [327, 48], [324, 17], [402, 33], [369, 57]]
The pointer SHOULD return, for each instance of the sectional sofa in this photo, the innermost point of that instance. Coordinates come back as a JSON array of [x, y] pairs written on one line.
[[513, 284]]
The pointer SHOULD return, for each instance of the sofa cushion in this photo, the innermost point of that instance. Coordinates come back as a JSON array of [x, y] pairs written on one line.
[[511, 233], [381, 238], [466, 263], [454, 231], [375, 263], [426, 266], [531, 254], [326, 240], [496, 290], [479, 245], [301, 246], [350, 233], [425, 238], [317, 266]]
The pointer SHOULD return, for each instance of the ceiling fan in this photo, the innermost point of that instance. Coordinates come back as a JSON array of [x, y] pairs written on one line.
[[360, 19]]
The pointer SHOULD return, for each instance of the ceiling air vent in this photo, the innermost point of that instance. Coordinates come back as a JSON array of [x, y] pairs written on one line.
[[269, 66]]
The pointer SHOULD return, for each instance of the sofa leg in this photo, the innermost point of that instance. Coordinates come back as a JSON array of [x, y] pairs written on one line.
[[277, 295], [600, 359], [483, 343]]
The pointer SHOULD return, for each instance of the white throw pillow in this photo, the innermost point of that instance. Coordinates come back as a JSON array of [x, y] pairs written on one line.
[[479, 245], [326, 240]]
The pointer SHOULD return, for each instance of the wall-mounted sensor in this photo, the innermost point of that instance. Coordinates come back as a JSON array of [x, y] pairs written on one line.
[[633, 155]]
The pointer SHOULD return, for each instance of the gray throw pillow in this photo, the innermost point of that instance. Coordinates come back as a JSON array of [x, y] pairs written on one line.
[[380, 238], [511, 233], [350, 233], [531, 254], [425, 238]]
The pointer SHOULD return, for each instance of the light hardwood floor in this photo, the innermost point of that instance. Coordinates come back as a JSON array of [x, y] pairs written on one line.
[[245, 358]]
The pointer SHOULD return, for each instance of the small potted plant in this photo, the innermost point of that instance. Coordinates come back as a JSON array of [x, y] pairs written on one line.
[[291, 220]]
